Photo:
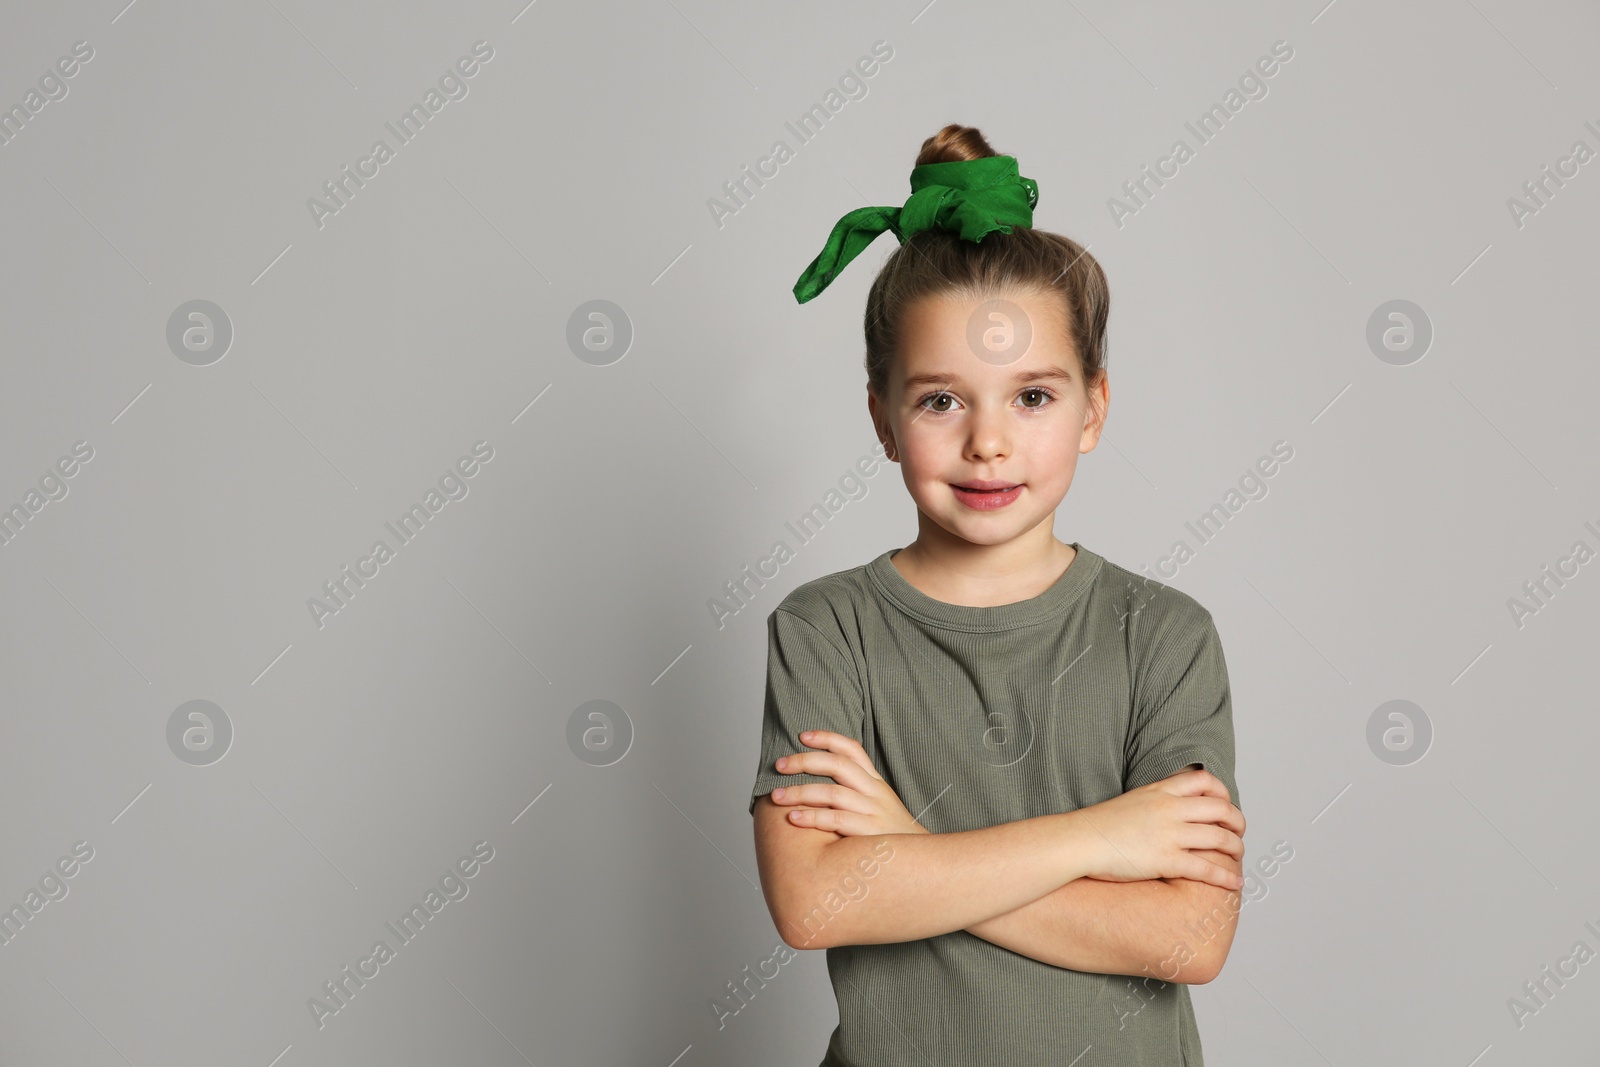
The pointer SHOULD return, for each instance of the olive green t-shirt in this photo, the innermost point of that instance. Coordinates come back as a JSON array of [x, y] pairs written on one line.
[[977, 716]]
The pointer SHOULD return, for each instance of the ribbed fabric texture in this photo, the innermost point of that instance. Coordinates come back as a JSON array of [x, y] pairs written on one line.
[[984, 715]]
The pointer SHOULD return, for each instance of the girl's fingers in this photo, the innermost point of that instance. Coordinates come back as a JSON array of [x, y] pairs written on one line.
[[1219, 875], [1221, 840], [1192, 784], [823, 795], [1214, 838], [1221, 811], [821, 819], [1209, 809], [840, 768], [846, 746]]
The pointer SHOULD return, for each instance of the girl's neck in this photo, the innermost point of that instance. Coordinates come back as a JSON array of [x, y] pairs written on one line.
[[981, 576]]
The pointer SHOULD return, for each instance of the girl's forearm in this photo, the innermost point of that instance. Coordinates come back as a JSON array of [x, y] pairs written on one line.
[[1171, 929], [1090, 925], [923, 885]]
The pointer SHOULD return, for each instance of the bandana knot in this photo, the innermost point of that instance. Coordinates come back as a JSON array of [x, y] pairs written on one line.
[[973, 198]]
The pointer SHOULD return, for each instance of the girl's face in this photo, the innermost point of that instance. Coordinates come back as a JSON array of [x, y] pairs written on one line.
[[988, 390]]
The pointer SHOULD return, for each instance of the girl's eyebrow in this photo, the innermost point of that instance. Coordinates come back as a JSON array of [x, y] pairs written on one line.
[[1045, 374]]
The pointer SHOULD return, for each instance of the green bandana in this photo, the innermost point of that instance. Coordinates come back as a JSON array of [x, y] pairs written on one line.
[[974, 197]]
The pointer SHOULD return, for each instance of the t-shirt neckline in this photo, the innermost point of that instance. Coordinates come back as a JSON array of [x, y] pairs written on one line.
[[1078, 576]]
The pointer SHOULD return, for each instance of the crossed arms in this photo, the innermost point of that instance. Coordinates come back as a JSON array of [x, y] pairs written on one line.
[[1177, 929], [842, 865]]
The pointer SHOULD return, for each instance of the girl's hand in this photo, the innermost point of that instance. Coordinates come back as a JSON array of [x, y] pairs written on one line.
[[860, 805], [1149, 832], [1209, 786]]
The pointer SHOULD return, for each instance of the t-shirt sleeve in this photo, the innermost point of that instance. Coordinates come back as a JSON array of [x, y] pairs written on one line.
[[812, 684], [1183, 711]]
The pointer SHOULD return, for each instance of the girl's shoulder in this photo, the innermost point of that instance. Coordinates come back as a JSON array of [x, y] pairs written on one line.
[[1152, 606], [830, 599]]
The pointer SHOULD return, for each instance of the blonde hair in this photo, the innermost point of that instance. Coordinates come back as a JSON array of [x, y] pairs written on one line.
[[938, 261]]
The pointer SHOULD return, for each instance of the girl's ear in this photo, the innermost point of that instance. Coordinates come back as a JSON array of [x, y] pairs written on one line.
[[1099, 396], [880, 424]]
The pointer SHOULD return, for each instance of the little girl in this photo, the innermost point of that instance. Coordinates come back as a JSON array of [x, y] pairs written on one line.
[[1060, 726]]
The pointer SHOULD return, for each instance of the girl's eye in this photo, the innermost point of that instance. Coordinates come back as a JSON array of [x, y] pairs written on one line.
[[928, 402]]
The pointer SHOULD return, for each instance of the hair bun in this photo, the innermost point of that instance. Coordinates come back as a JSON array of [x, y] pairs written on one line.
[[955, 144]]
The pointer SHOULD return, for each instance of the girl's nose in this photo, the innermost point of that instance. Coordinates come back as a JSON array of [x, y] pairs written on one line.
[[988, 434]]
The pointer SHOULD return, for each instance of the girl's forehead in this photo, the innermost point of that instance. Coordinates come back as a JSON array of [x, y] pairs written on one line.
[[984, 341]]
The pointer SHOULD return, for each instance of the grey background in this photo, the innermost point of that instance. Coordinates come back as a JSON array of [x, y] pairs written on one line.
[[369, 354]]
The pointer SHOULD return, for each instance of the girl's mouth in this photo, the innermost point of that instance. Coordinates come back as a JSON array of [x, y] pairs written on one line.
[[987, 499]]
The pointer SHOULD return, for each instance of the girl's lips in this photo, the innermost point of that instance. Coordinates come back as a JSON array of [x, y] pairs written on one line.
[[987, 499]]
